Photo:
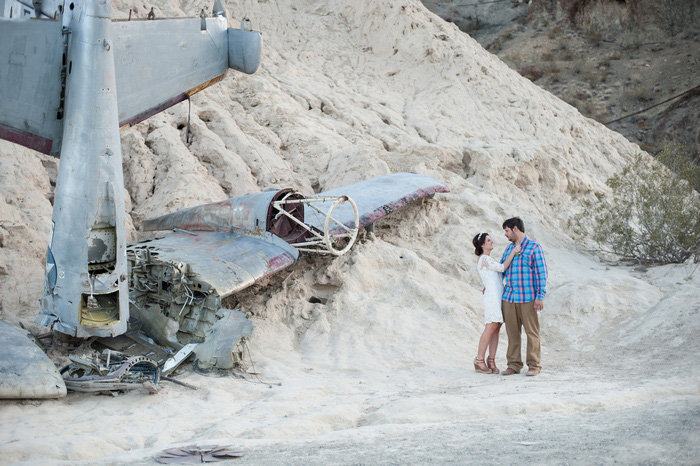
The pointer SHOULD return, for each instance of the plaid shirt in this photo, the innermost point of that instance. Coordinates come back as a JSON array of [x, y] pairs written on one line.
[[526, 278]]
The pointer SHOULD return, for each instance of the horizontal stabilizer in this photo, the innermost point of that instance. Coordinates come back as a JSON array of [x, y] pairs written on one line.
[[376, 198], [163, 62], [31, 55], [159, 63]]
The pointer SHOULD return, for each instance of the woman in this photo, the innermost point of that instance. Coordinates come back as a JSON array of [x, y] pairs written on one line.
[[490, 272]]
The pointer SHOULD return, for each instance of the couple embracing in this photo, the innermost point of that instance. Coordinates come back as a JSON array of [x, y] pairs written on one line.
[[518, 303]]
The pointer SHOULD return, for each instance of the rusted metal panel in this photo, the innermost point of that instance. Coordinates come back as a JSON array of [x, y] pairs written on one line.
[[376, 198]]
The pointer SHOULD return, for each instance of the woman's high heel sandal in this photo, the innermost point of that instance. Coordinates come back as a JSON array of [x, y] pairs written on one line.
[[480, 366], [491, 363]]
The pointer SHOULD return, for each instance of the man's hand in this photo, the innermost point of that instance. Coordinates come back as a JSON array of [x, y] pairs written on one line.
[[539, 305]]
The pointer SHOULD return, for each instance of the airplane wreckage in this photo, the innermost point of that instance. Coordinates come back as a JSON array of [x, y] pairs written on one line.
[[71, 78]]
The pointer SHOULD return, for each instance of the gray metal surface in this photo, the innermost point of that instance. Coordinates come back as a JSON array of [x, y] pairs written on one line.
[[222, 348], [178, 358], [229, 262], [244, 49], [157, 64], [83, 297], [31, 54], [247, 212], [66, 85], [177, 281], [161, 62], [376, 198], [25, 371]]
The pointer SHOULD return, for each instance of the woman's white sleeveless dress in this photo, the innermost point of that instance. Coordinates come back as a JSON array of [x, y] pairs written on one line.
[[490, 273]]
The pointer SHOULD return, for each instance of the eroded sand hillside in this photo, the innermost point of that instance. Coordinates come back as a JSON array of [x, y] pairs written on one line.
[[351, 89]]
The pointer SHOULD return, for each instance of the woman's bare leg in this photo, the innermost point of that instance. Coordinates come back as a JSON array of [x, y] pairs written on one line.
[[493, 342], [486, 337]]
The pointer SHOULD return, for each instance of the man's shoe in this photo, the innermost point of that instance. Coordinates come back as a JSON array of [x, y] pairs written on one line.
[[510, 371], [532, 372]]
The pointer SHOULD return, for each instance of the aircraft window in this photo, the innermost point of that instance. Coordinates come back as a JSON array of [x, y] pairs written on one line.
[[72, 6]]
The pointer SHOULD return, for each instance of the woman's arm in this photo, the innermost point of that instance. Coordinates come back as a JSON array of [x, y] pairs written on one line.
[[509, 259]]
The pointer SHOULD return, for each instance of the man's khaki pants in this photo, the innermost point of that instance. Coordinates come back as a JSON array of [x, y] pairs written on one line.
[[516, 316]]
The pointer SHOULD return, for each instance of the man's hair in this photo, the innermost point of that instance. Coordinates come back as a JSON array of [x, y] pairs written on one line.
[[514, 222]]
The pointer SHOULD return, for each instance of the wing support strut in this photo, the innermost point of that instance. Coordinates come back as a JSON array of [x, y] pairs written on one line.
[[327, 242]]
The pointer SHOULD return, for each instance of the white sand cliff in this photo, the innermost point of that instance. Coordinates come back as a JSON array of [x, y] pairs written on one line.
[[380, 369]]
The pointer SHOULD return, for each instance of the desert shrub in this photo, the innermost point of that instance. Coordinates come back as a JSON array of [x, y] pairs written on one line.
[[632, 40], [652, 214], [639, 93], [595, 37], [677, 15]]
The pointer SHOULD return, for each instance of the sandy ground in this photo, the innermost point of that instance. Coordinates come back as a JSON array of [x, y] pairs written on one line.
[[368, 356]]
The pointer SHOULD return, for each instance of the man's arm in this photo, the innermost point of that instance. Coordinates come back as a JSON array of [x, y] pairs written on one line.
[[541, 274]]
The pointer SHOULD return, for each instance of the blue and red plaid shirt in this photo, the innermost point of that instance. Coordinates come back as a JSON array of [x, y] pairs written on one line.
[[526, 278]]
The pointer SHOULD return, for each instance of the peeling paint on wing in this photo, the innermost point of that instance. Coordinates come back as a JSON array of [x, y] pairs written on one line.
[[378, 197]]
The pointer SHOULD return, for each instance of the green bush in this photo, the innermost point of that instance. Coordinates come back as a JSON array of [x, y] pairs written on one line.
[[653, 212]]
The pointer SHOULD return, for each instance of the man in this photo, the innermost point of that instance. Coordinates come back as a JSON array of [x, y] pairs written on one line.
[[523, 297]]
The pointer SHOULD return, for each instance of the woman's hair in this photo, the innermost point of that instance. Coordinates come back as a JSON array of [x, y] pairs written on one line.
[[478, 242]]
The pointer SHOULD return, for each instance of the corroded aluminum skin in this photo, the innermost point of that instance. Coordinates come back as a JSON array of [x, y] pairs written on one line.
[[179, 280], [31, 86], [25, 370], [157, 64], [229, 262], [113, 73], [160, 61], [247, 212], [90, 186], [375, 198]]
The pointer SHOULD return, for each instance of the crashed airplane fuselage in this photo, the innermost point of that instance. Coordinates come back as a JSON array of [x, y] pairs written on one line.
[[73, 77]]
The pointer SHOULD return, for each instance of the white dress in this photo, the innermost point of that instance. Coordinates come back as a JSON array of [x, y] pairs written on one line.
[[490, 273]]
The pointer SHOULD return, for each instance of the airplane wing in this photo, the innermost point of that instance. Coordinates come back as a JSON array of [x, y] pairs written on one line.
[[157, 64], [177, 281], [375, 198], [160, 63], [230, 262], [31, 53]]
